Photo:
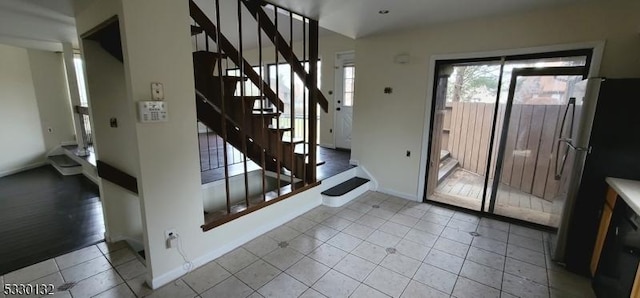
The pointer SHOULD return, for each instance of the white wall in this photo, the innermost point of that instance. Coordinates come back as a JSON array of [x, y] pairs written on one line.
[[387, 125], [116, 146], [52, 93], [20, 130]]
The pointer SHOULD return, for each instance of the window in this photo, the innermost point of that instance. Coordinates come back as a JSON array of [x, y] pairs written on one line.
[[83, 111], [349, 84], [250, 89]]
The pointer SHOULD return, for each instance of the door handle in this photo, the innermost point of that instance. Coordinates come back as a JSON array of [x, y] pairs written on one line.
[[337, 109], [560, 163]]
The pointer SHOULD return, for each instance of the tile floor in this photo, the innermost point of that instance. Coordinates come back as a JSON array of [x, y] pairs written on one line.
[[376, 246]]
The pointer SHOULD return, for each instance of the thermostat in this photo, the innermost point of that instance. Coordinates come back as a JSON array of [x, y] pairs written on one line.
[[152, 111]]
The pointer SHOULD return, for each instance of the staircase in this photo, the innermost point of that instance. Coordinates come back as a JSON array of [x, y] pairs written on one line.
[[447, 166], [245, 127]]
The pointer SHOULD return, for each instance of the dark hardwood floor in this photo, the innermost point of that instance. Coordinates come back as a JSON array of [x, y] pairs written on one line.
[[44, 214]]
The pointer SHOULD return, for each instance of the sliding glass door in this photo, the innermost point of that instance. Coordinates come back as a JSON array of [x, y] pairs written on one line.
[[495, 127]]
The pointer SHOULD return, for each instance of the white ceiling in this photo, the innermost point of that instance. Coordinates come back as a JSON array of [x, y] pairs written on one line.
[[39, 24], [43, 24], [359, 18]]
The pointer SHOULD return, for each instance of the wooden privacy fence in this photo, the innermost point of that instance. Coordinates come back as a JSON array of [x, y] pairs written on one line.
[[529, 161]]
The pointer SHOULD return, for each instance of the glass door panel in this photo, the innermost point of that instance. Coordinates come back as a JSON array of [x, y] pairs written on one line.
[[461, 136], [540, 112]]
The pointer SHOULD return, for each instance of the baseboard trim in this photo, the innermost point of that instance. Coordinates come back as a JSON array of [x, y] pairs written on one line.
[[328, 146], [176, 273], [399, 194], [25, 168]]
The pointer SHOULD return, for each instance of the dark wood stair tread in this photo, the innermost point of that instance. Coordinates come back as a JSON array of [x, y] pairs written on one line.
[[195, 30], [345, 187], [64, 161]]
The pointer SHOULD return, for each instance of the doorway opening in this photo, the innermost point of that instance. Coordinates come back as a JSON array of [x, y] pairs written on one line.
[[496, 125]]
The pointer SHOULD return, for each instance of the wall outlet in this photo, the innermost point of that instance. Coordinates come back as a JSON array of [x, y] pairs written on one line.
[[170, 237], [408, 153]]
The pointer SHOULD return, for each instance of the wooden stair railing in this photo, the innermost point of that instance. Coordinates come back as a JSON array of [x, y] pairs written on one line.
[[285, 49], [232, 53], [260, 136]]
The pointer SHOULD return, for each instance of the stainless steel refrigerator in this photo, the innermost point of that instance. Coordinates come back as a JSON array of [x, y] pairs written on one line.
[[600, 138]]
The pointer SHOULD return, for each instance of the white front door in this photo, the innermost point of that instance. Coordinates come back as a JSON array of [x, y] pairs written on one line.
[[344, 95]]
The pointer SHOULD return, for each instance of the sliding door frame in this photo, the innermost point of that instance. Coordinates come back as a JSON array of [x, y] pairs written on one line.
[[592, 50]]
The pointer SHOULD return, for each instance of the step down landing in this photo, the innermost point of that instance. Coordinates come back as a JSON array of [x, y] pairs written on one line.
[[345, 187], [65, 165]]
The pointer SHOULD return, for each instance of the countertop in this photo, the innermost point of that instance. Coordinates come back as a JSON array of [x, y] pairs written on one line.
[[628, 190]]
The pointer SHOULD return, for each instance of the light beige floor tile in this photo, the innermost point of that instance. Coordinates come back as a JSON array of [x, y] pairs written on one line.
[[526, 270], [344, 241], [387, 281], [405, 220], [462, 225], [358, 230], [526, 232], [482, 274], [494, 224], [383, 239], [466, 288], [327, 254], [121, 291], [355, 267], [206, 277], [301, 224], [121, 256], [457, 235], [422, 238], [418, 290], [261, 246], [436, 278], [96, 284], [31, 273], [436, 218], [524, 288], [78, 256], [401, 264], [106, 247], [412, 249], [486, 258], [283, 233], [370, 252], [335, 284], [337, 222], [451, 247], [231, 287], [394, 229], [364, 291], [307, 270], [526, 242], [304, 244], [490, 245], [311, 293], [258, 274], [283, 258], [371, 221], [283, 286], [131, 269], [174, 289], [139, 286], [237, 259], [86, 269], [492, 233], [444, 261], [321, 232], [526, 255], [427, 226]]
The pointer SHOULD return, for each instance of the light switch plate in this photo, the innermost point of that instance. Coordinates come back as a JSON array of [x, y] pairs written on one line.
[[157, 91]]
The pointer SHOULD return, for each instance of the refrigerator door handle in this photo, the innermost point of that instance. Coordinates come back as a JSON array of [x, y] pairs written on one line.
[[560, 163]]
